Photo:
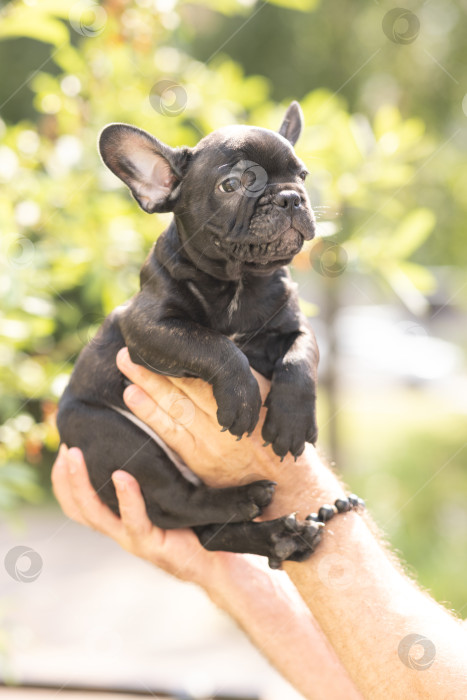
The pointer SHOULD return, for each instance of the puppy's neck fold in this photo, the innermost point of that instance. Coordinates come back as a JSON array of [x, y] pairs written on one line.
[[175, 251]]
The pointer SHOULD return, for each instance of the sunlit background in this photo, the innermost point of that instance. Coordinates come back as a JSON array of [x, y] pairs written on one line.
[[383, 92]]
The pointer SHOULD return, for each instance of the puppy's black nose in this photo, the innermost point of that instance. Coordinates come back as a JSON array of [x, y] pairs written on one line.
[[287, 199]]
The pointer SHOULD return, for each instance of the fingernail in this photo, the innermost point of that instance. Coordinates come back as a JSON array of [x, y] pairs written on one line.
[[133, 395], [120, 481], [73, 460], [120, 484], [62, 450], [123, 356]]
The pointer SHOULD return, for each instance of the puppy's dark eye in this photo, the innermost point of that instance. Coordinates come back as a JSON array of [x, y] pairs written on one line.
[[303, 174], [230, 184]]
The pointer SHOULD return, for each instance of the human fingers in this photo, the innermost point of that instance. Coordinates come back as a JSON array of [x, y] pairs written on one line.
[[87, 505], [157, 386], [171, 415], [136, 524], [201, 393], [61, 486], [176, 551], [190, 399], [199, 443]]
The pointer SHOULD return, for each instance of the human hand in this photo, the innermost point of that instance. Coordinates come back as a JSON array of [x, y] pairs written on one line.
[[183, 412], [177, 551]]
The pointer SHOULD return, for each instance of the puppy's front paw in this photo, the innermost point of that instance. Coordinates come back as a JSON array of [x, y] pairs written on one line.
[[239, 403], [291, 419]]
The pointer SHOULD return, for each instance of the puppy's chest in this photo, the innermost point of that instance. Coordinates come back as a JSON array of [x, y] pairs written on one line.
[[235, 312]]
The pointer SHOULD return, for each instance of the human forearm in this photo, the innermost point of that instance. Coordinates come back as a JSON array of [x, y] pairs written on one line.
[[364, 602], [272, 613]]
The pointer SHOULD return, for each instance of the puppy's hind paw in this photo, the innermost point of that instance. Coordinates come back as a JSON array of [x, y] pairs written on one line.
[[257, 496], [293, 540]]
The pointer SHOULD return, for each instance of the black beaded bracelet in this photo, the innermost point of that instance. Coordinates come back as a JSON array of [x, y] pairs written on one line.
[[341, 505], [312, 532]]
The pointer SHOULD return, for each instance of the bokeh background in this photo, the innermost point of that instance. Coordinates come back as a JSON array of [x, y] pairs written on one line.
[[383, 91]]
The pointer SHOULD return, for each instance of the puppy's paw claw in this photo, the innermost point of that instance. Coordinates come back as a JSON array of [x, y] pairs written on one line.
[[291, 523]]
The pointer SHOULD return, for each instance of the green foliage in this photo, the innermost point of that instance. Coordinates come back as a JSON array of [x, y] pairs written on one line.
[[413, 475]]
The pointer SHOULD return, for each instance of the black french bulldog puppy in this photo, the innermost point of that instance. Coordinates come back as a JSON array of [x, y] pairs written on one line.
[[215, 298]]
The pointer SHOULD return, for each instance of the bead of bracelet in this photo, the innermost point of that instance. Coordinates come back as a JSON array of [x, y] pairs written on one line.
[[341, 505]]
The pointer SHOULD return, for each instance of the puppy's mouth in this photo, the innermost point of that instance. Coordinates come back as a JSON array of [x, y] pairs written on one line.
[[281, 250]]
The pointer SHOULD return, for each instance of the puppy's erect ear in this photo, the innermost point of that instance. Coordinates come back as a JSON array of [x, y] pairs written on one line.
[[293, 123], [151, 169]]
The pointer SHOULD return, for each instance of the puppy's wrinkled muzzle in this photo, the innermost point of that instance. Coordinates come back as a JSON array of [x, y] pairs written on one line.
[[283, 247]]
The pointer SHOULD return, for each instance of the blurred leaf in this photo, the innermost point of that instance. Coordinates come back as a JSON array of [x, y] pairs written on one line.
[[411, 233], [403, 284], [18, 482], [303, 5], [420, 276], [227, 7], [27, 22]]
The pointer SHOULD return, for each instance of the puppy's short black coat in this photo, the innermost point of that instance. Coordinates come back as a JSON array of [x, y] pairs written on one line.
[[215, 298]]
